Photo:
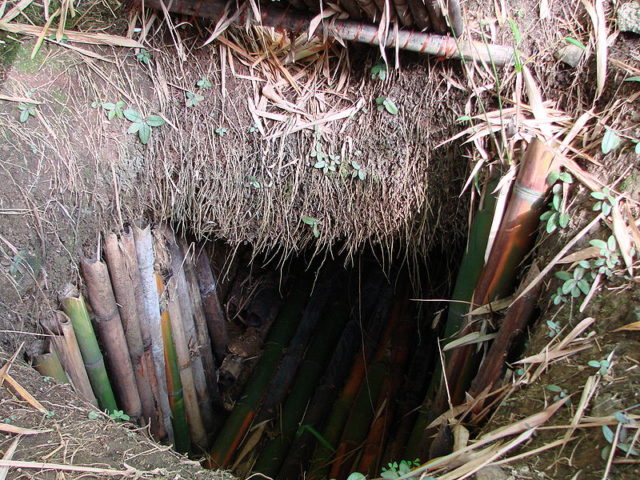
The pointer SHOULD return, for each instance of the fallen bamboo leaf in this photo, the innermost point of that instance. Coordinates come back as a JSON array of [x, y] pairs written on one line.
[[495, 306], [551, 355], [6, 428], [577, 331], [11, 98], [469, 339], [635, 232], [16, 10], [535, 451], [584, 254], [20, 390], [537, 105], [622, 236], [629, 327], [72, 35], [8, 455], [589, 389], [130, 471], [7, 365]]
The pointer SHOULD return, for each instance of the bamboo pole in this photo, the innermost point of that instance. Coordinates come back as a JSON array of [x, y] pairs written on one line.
[[242, 415], [430, 44], [512, 243], [111, 333], [74, 306], [216, 320], [172, 372], [128, 251], [192, 337], [150, 322], [64, 338], [185, 366], [204, 340], [315, 359], [122, 273], [386, 406], [48, 364]]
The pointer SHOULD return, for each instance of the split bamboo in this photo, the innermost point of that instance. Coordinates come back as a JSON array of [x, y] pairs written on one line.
[[204, 340], [111, 333], [64, 339], [242, 415], [216, 320], [74, 306], [431, 44], [122, 274], [185, 366], [182, 441], [309, 372], [48, 364], [512, 243], [128, 245], [150, 321]]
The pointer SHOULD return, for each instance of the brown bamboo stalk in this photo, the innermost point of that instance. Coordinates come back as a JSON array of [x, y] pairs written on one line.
[[512, 243], [213, 310], [121, 274], [437, 20], [515, 321], [403, 12], [128, 251], [64, 338], [430, 44], [202, 332], [185, 366], [109, 327], [419, 14]]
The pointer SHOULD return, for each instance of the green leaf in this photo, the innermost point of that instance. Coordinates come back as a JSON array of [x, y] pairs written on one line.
[[546, 215], [144, 133], [554, 388], [607, 432], [154, 121], [566, 177], [610, 141], [556, 202], [515, 31], [316, 434], [24, 116], [562, 275], [598, 195], [611, 243], [132, 115], [594, 363], [356, 476], [310, 220], [637, 149], [380, 100], [92, 415], [632, 79], [390, 106], [563, 221], [111, 114], [464, 118], [553, 177], [575, 42], [134, 127], [109, 106], [601, 244]]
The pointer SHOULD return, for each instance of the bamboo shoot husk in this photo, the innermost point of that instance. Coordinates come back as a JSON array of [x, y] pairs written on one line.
[[174, 383], [216, 320], [204, 340], [48, 364], [122, 271], [74, 306], [242, 415], [309, 372], [150, 322], [64, 339], [512, 243], [111, 333]]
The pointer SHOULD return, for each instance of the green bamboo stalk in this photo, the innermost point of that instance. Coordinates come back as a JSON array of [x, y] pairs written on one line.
[[182, 439], [74, 306], [240, 419], [315, 360], [48, 364]]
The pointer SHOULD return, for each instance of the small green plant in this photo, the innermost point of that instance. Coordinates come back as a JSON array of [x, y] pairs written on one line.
[[144, 56], [399, 469], [356, 476], [379, 71], [49, 414], [26, 110], [204, 83], [554, 328], [193, 99], [9, 420], [253, 182], [575, 283], [253, 129], [602, 366], [357, 171], [324, 161], [560, 393], [609, 257], [610, 141], [313, 223], [625, 438], [605, 201], [385, 103], [575, 42], [556, 216], [114, 110], [93, 415], [142, 126], [220, 131], [119, 416]]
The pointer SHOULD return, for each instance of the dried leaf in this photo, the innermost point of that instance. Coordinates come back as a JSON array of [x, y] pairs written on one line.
[[8, 455], [622, 236], [469, 339], [21, 391], [629, 327], [6, 428]]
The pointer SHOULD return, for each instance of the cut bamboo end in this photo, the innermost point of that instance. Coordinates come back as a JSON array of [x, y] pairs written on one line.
[[48, 364]]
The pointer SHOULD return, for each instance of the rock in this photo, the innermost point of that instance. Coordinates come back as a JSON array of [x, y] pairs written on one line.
[[492, 473], [570, 54], [629, 17]]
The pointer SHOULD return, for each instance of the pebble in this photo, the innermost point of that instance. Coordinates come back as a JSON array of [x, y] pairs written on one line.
[[629, 17]]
